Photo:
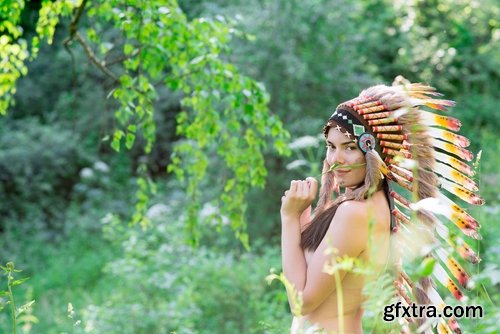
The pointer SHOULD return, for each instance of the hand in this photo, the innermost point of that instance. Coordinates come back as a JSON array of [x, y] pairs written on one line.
[[299, 197]]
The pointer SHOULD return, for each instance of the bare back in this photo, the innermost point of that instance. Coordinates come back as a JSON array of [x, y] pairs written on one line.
[[326, 315]]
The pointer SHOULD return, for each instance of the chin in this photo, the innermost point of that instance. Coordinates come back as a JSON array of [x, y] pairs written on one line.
[[350, 183]]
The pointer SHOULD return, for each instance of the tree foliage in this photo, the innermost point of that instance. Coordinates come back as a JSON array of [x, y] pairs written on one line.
[[224, 112]]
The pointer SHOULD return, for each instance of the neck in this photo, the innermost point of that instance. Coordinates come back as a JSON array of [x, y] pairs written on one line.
[[349, 190]]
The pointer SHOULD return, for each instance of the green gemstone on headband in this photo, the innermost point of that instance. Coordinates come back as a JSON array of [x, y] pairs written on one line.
[[358, 130], [349, 121]]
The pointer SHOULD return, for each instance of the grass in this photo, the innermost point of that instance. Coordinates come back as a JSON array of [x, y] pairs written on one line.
[[69, 272]]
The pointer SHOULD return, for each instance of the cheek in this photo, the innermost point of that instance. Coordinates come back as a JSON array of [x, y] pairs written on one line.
[[357, 157], [362, 173]]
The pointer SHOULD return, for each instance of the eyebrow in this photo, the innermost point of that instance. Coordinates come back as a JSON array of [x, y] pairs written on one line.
[[344, 143]]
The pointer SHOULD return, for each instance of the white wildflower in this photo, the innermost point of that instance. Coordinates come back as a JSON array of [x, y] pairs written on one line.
[[86, 173], [210, 210], [296, 164], [101, 166], [304, 142], [157, 211]]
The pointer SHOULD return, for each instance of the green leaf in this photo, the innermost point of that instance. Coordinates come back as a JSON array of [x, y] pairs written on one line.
[[19, 281], [117, 136], [129, 141], [197, 60], [128, 49]]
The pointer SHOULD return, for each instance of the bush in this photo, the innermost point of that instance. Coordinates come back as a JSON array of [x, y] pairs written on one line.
[[162, 285], [39, 164]]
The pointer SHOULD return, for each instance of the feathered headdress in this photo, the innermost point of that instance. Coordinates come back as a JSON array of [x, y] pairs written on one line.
[[419, 154]]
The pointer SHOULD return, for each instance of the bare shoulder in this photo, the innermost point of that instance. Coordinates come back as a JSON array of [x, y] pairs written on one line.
[[352, 210], [349, 229], [362, 213]]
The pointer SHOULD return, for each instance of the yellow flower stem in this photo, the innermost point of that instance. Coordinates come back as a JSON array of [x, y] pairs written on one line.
[[340, 300]]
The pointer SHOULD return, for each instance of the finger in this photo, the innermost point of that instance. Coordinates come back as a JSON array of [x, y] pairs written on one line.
[[313, 186], [305, 189], [293, 186], [298, 189], [287, 192]]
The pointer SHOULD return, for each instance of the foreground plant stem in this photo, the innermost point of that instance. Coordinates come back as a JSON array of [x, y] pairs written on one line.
[[12, 308], [9, 269], [340, 301]]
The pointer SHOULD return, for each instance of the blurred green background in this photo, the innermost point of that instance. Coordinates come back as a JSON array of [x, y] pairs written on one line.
[[66, 197]]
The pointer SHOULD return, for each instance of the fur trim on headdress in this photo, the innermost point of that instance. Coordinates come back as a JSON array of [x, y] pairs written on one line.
[[375, 171]]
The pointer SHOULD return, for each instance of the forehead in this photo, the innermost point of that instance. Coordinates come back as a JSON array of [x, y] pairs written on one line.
[[335, 136]]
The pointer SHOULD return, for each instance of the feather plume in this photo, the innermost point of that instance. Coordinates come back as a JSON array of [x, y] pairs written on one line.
[[381, 121], [458, 211], [453, 149], [432, 119], [454, 162], [394, 153], [399, 137], [366, 105], [463, 221], [456, 269], [404, 173], [400, 215], [438, 104], [401, 181], [461, 192], [370, 110], [455, 176], [442, 328], [377, 115], [400, 199], [387, 128], [448, 136], [440, 274], [458, 244], [394, 145]]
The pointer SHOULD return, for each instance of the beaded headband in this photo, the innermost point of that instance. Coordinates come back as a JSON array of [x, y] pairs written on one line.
[[346, 120]]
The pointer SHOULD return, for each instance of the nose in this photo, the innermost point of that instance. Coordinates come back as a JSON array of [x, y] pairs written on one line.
[[334, 156]]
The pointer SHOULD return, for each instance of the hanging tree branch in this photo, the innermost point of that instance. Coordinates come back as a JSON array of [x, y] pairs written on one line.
[[99, 63], [74, 34], [74, 22]]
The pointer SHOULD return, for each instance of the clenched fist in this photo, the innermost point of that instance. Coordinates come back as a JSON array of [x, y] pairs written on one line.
[[299, 197]]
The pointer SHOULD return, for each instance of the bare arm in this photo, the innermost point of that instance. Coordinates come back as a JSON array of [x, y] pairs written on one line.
[[305, 218], [295, 206], [292, 254]]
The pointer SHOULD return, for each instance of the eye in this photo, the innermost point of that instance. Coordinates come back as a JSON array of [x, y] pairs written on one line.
[[351, 148]]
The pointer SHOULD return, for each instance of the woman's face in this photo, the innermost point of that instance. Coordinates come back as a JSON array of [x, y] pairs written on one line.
[[344, 151]]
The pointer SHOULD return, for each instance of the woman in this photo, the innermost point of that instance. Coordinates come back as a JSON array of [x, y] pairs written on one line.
[[382, 138], [346, 225]]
